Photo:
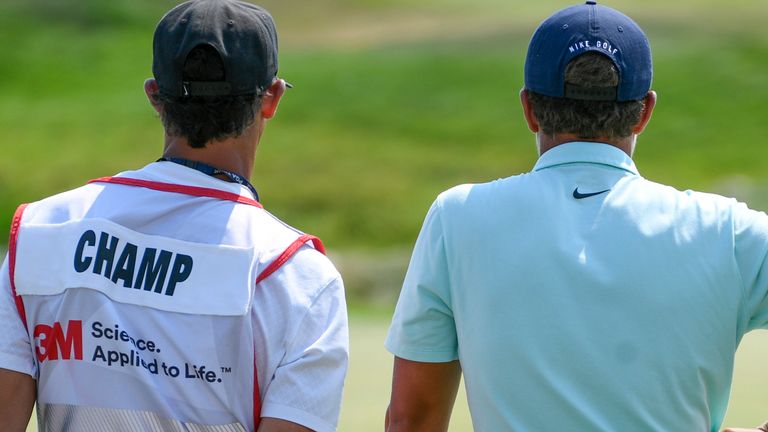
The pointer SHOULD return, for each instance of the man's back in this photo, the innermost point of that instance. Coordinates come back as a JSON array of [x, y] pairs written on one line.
[[584, 295], [153, 302], [579, 295]]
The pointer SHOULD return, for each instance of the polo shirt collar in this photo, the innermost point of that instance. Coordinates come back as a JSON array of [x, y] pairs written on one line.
[[586, 152]]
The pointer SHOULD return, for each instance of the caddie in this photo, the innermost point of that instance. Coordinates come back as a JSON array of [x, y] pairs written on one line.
[[579, 296], [167, 298]]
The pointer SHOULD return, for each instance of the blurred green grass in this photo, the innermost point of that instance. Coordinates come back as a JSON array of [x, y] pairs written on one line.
[[407, 99]]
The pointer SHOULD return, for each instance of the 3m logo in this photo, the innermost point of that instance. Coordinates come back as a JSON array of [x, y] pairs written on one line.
[[54, 343]]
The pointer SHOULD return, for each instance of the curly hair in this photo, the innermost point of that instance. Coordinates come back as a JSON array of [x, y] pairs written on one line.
[[585, 118], [202, 119]]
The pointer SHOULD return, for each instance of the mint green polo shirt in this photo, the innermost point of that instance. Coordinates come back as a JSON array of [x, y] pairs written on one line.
[[581, 296]]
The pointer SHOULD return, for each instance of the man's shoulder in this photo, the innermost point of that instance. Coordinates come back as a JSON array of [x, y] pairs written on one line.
[[282, 235], [473, 194], [309, 264], [688, 207], [61, 206], [686, 198], [299, 262], [738, 213]]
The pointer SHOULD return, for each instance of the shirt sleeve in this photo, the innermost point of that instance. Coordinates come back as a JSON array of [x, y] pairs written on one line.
[[308, 384], [751, 252], [15, 348], [423, 327]]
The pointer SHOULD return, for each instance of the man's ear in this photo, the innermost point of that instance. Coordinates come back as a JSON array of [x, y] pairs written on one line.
[[645, 116], [530, 116], [151, 89], [271, 99]]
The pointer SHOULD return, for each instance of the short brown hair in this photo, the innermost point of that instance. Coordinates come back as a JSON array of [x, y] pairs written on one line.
[[585, 118]]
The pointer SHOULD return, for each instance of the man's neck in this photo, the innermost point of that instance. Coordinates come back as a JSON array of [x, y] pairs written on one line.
[[547, 142], [236, 155]]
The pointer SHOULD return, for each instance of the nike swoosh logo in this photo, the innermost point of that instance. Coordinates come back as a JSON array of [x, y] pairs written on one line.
[[579, 195]]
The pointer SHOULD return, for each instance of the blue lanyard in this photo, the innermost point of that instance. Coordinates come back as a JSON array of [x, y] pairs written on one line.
[[212, 171]]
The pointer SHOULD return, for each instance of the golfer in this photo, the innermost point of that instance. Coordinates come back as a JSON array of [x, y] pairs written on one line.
[[579, 296], [167, 298]]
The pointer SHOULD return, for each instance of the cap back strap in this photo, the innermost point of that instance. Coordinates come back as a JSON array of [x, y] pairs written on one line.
[[204, 88], [573, 91]]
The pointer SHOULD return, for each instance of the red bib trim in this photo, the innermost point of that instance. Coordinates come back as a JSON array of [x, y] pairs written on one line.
[[288, 253], [180, 189], [256, 396], [14, 240]]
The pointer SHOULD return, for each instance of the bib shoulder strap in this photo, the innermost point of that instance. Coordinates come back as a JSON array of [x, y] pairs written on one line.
[[275, 265], [289, 252], [12, 246]]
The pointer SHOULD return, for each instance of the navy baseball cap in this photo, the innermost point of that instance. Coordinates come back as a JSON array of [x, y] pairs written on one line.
[[589, 28], [242, 33]]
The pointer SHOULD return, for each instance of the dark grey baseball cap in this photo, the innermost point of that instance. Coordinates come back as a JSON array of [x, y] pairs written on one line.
[[242, 33]]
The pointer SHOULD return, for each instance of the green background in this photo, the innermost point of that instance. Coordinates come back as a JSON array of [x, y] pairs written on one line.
[[395, 101]]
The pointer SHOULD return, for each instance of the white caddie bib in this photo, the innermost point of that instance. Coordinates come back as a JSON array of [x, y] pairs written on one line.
[[142, 330]]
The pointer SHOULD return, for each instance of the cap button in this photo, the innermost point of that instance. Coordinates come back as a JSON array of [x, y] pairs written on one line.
[[591, 2]]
